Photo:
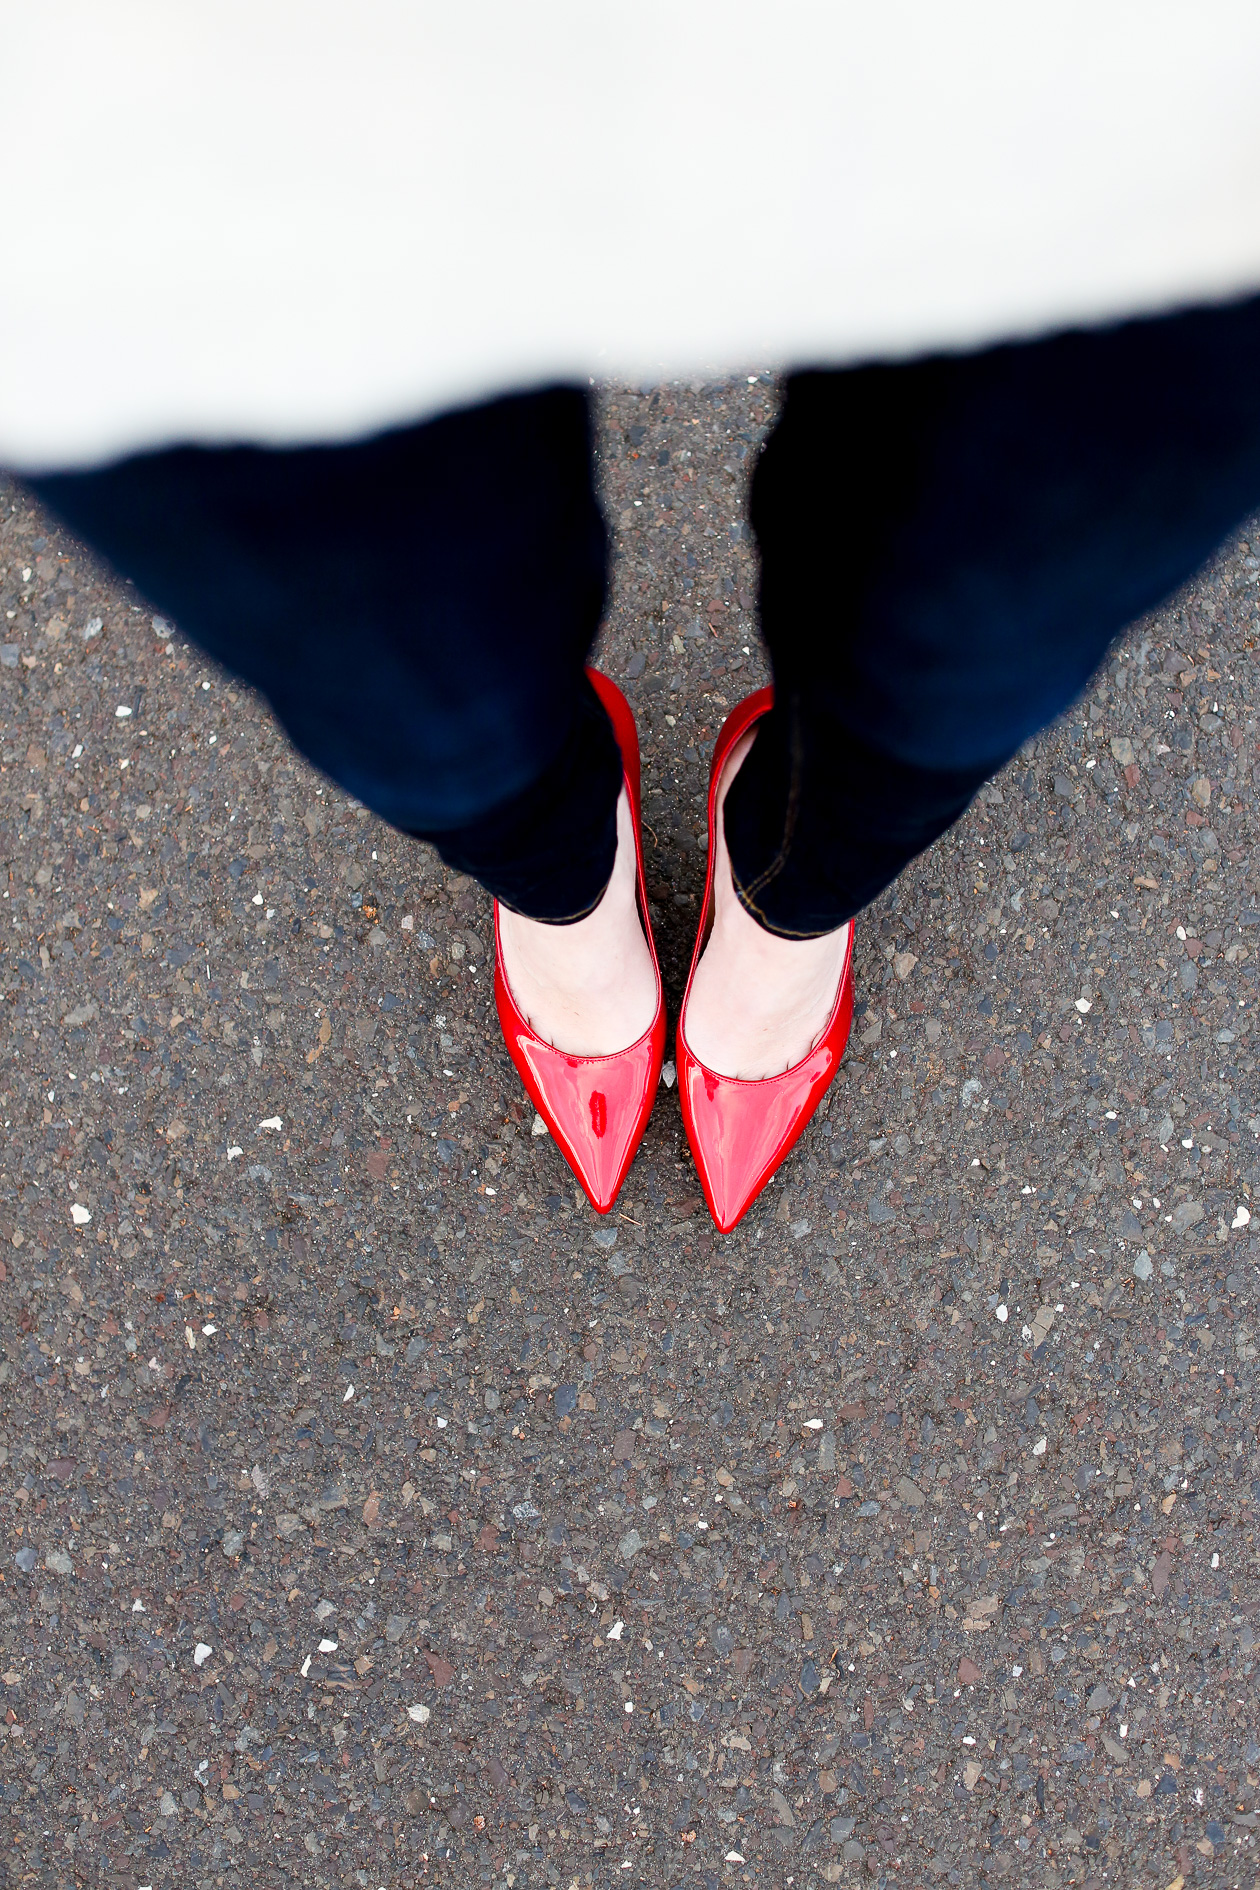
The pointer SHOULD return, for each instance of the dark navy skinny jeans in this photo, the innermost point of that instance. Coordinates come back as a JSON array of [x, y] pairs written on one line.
[[947, 548]]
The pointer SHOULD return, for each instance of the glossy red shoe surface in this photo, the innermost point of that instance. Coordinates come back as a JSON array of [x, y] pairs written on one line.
[[740, 1131], [595, 1107]]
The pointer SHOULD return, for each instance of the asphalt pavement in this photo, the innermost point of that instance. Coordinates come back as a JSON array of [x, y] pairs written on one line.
[[374, 1514]]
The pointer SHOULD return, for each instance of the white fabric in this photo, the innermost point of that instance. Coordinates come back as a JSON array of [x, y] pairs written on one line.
[[264, 220]]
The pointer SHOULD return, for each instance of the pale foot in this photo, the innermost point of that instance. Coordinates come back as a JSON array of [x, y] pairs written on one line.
[[588, 989], [758, 1003]]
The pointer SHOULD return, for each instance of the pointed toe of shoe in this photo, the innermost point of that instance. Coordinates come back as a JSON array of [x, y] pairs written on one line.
[[595, 1107], [741, 1131]]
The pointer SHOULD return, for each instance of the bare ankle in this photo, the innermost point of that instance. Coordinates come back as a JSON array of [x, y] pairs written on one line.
[[590, 988]]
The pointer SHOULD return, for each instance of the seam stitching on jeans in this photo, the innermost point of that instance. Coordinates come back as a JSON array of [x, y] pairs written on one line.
[[572, 919], [754, 911]]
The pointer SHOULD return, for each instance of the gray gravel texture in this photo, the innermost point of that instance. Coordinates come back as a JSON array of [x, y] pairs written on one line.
[[375, 1515]]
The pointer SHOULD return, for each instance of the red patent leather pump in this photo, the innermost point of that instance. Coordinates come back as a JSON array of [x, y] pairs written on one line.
[[739, 1130], [595, 1107]]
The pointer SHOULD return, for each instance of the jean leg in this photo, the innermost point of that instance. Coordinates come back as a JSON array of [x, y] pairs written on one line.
[[948, 548], [417, 608]]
